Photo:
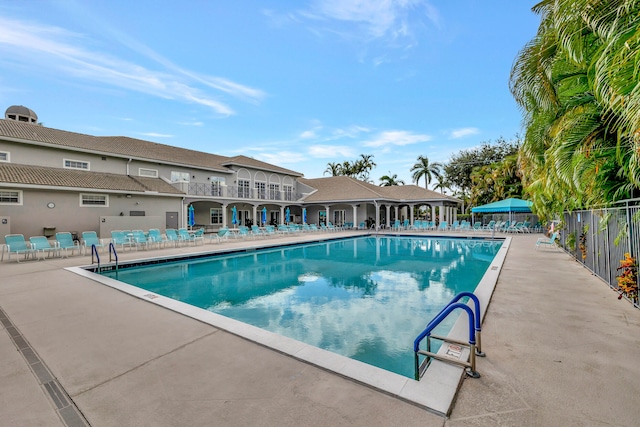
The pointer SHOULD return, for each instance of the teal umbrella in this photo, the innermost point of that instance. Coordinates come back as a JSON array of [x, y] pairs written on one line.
[[234, 215], [287, 214], [264, 215], [304, 215], [192, 219]]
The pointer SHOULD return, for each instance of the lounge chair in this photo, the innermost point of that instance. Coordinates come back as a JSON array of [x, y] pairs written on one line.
[[66, 243], [172, 236], [270, 230], [551, 241], [185, 236], [222, 234], [444, 226], [89, 239], [314, 227], [156, 237], [42, 245], [122, 238], [256, 231], [15, 244], [140, 239]]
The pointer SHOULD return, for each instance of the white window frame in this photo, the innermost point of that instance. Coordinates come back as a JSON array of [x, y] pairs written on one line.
[[219, 215], [180, 176], [78, 162], [18, 193], [244, 188], [261, 189], [148, 173], [288, 192], [91, 205], [5, 156]]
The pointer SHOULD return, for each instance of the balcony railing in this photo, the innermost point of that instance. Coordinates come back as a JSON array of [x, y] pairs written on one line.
[[233, 191]]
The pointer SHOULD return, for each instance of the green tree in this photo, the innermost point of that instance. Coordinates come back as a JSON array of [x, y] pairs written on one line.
[[390, 180], [333, 169], [460, 168], [423, 168], [577, 84]]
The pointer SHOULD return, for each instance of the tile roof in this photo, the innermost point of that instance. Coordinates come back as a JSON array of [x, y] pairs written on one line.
[[129, 147], [344, 188], [12, 173], [253, 163]]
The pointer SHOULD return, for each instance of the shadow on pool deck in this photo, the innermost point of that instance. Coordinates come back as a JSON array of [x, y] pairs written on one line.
[[561, 350]]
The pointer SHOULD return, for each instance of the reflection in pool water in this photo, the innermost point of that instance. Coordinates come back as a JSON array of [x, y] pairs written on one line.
[[366, 298]]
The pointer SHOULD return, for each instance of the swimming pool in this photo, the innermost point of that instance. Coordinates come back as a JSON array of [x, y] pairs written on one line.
[[366, 298]]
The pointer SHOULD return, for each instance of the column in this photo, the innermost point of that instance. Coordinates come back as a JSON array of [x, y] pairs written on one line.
[[328, 213], [387, 219], [224, 215], [255, 213], [355, 215], [377, 219], [433, 214]]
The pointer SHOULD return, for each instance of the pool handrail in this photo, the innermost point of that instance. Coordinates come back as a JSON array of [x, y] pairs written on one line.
[[474, 334]]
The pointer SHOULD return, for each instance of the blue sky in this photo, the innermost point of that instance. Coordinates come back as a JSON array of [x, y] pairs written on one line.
[[295, 83]]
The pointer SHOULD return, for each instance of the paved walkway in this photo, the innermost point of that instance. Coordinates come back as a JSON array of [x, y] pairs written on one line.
[[561, 351]]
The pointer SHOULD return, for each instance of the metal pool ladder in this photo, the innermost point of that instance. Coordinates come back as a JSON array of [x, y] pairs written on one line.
[[112, 250], [474, 337]]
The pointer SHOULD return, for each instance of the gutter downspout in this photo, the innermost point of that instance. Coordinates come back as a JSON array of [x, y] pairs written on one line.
[[128, 166]]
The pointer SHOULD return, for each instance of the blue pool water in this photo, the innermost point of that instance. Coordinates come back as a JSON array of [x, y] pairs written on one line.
[[366, 298]]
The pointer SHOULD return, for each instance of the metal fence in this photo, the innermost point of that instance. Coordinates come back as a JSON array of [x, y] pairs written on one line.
[[600, 238]]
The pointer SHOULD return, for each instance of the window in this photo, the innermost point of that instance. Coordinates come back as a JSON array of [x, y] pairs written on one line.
[[10, 197], [151, 173], [99, 200], [243, 189], [216, 185], [288, 192], [216, 216], [76, 164], [4, 156], [179, 176], [274, 191], [261, 190]]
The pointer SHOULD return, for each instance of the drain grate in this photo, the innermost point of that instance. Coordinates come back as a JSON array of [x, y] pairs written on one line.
[[64, 406]]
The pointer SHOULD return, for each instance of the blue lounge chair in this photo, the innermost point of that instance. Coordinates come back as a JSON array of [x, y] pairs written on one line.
[[15, 244], [444, 225], [156, 237], [140, 239], [185, 236], [121, 238], [42, 245], [66, 243], [172, 236], [256, 231], [222, 234], [551, 241], [89, 239]]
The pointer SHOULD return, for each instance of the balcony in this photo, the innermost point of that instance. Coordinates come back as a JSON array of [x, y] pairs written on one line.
[[235, 192]]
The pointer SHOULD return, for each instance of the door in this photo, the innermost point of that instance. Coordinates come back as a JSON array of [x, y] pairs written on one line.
[[171, 220]]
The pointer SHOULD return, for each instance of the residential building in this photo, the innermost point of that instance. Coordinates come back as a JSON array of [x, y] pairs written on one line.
[[54, 180]]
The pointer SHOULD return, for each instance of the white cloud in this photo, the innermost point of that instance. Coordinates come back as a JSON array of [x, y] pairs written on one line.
[[329, 151], [282, 157], [156, 135], [461, 133], [398, 138], [57, 51], [389, 19], [308, 134]]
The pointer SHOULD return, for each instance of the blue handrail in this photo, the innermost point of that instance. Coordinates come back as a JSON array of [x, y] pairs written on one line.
[[94, 250], [112, 248], [474, 329]]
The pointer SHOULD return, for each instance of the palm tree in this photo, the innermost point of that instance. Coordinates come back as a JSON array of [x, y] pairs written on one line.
[[390, 180], [423, 168], [577, 84], [333, 169]]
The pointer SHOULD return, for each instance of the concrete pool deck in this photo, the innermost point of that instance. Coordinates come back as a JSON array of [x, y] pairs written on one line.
[[561, 350]]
